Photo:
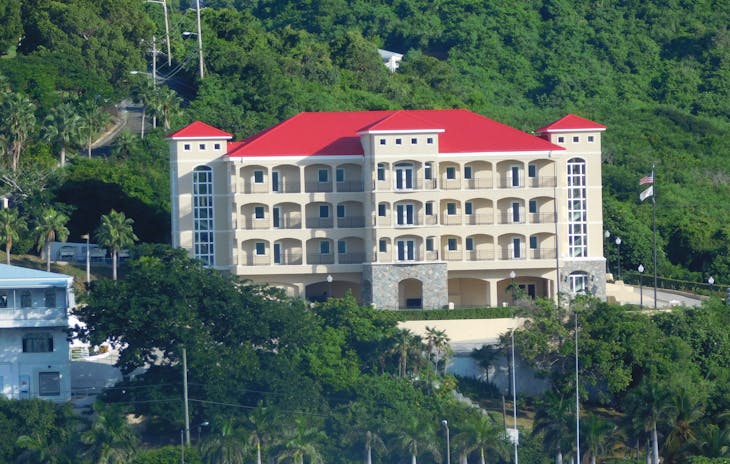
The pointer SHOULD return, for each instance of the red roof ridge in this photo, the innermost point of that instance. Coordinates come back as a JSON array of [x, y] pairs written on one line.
[[198, 130], [402, 120], [571, 122]]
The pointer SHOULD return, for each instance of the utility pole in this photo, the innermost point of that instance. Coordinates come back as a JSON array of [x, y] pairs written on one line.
[[154, 61], [200, 41], [185, 396]]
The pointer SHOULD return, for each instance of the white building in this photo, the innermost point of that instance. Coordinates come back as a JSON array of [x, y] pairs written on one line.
[[34, 347]]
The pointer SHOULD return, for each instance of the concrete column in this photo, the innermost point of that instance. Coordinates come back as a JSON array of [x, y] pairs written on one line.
[[493, 295]]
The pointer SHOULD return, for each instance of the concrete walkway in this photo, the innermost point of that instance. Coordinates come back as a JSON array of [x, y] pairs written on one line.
[[621, 293]]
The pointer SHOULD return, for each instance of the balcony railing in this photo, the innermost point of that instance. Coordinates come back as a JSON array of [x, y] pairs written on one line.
[[350, 222], [319, 258], [286, 222], [255, 224], [314, 187], [479, 219], [20, 317], [541, 218], [541, 181], [478, 183], [508, 182], [542, 253], [320, 223], [452, 220], [288, 187], [257, 260], [451, 184], [289, 258], [255, 188], [480, 255], [351, 258], [350, 186], [508, 218], [452, 255]]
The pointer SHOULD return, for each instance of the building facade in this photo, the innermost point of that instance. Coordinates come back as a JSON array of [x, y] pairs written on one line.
[[34, 346], [405, 209]]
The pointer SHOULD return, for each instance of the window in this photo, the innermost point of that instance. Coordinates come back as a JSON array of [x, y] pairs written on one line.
[[258, 177], [429, 208], [451, 244], [341, 247], [277, 216], [577, 208], [324, 211], [532, 204], [414, 141], [429, 244], [323, 175], [260, 248], [531, 170], [515, 174], [451, 173], [186, 147], [515, 212], [381, 171], [49, 384], [467, 172], [201, 146], [576, 139], [406, 250], [578, 282], [403, 176], [259, 212], [468, 208], [382, 141], [469, 244], [25, 299], [429, 140], [340, 211], [203, 246], [533, 242], [3, 300], [591, 139], [382, 245], [50, 298], [451, 209], [40, 342], [516, 248], [217, 146], [340, 175], [561, 139], [428, 171], [405, 214], [277, 253], [381, 209], [398, 141], [324, 247]]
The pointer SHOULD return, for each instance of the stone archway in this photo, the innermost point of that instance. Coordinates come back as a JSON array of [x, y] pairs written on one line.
[[410, 294]]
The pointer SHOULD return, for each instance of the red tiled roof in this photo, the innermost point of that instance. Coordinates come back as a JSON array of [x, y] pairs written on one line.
[[336, 133], [199, 130], [571, 122]]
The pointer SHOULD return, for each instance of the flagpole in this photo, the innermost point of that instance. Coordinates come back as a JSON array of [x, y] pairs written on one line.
[[653, 203]]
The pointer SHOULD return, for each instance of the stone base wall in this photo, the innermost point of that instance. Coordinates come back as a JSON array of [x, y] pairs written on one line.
[[596, 270], [381, 281]]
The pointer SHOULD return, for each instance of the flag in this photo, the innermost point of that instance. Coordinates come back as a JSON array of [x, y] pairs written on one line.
[[647, 179], [646, 193]]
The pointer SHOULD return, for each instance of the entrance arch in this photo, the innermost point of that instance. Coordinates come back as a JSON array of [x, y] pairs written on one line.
[[410, 294]]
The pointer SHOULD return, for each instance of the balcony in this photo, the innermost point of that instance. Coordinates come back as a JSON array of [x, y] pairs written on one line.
[[351, 222], [287, 222], [541, 181], [319, 258], [288, 187], [289, 259], [479, 219], [32, 317], [541, 218], [508, 218], [542, 253], [480, 255], [318, 187], [350, 186], [351, 258], [320, 223], [257, 224], [257, 260], [479, 183]]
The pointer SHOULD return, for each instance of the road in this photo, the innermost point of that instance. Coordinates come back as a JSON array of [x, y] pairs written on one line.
[[630, 294]]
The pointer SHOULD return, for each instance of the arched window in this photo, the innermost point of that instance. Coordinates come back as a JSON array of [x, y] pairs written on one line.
[[578, 282], [203, 241], [577, 208]]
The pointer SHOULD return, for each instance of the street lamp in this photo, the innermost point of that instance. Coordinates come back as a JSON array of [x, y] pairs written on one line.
[[88, 260], [200, 426], [618, 243], [167, 28], [607, 234], [512, 276], [329, 285], [448, 441], [516, 436], [641, 285], [199, 34], [711, 281]]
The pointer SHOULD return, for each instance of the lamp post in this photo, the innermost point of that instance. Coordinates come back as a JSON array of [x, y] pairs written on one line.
[[329, 285], [618, 243], [445, 423], [167, 28], [641, 286], [607, 234], [515, 439], [88, 260], [200, 426], [512, 276], [711, 281]]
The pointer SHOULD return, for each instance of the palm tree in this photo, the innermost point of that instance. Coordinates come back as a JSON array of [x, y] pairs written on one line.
[[258, 425], [115, 233], [554, 419], [597, 435], [169, 105], [713, 441], [17, 121], [408, 347], [62, 127], [12, 225], [687, 411], [301, 441], [646, 405], [110, 440], [480, 433], [51, 226], [142, 92], [416, 438], [92, 119], [125, 144], [226, 447], [438, 344]]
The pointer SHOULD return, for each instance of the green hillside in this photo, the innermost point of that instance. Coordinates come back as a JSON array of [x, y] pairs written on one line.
[[656, 73]]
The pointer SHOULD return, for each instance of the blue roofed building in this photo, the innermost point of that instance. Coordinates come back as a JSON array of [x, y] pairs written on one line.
[[34, 346]]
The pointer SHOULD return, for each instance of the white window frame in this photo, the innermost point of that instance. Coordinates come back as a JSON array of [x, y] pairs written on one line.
[[203, 210]]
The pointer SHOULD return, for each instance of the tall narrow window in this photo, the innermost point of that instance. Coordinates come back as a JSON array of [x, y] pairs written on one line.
[[515, 174], [531, 170], [340, 211], [515, 212], [324, 247], [516, 248], [340, 175], [468, 208], [341, 247], [451, 244], [467, 172], [533, 242], [381, 209], [324, 211], [428, 171], [532, 206], [381, 171], [277, 253], [276, 216], [429, 208], [429, 244], [469, 245], [203, 240], [275, 181], [382, 245], [577, 208], [50, 298]]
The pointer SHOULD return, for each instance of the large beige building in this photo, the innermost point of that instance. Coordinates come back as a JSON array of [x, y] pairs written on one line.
[[405, 209]]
